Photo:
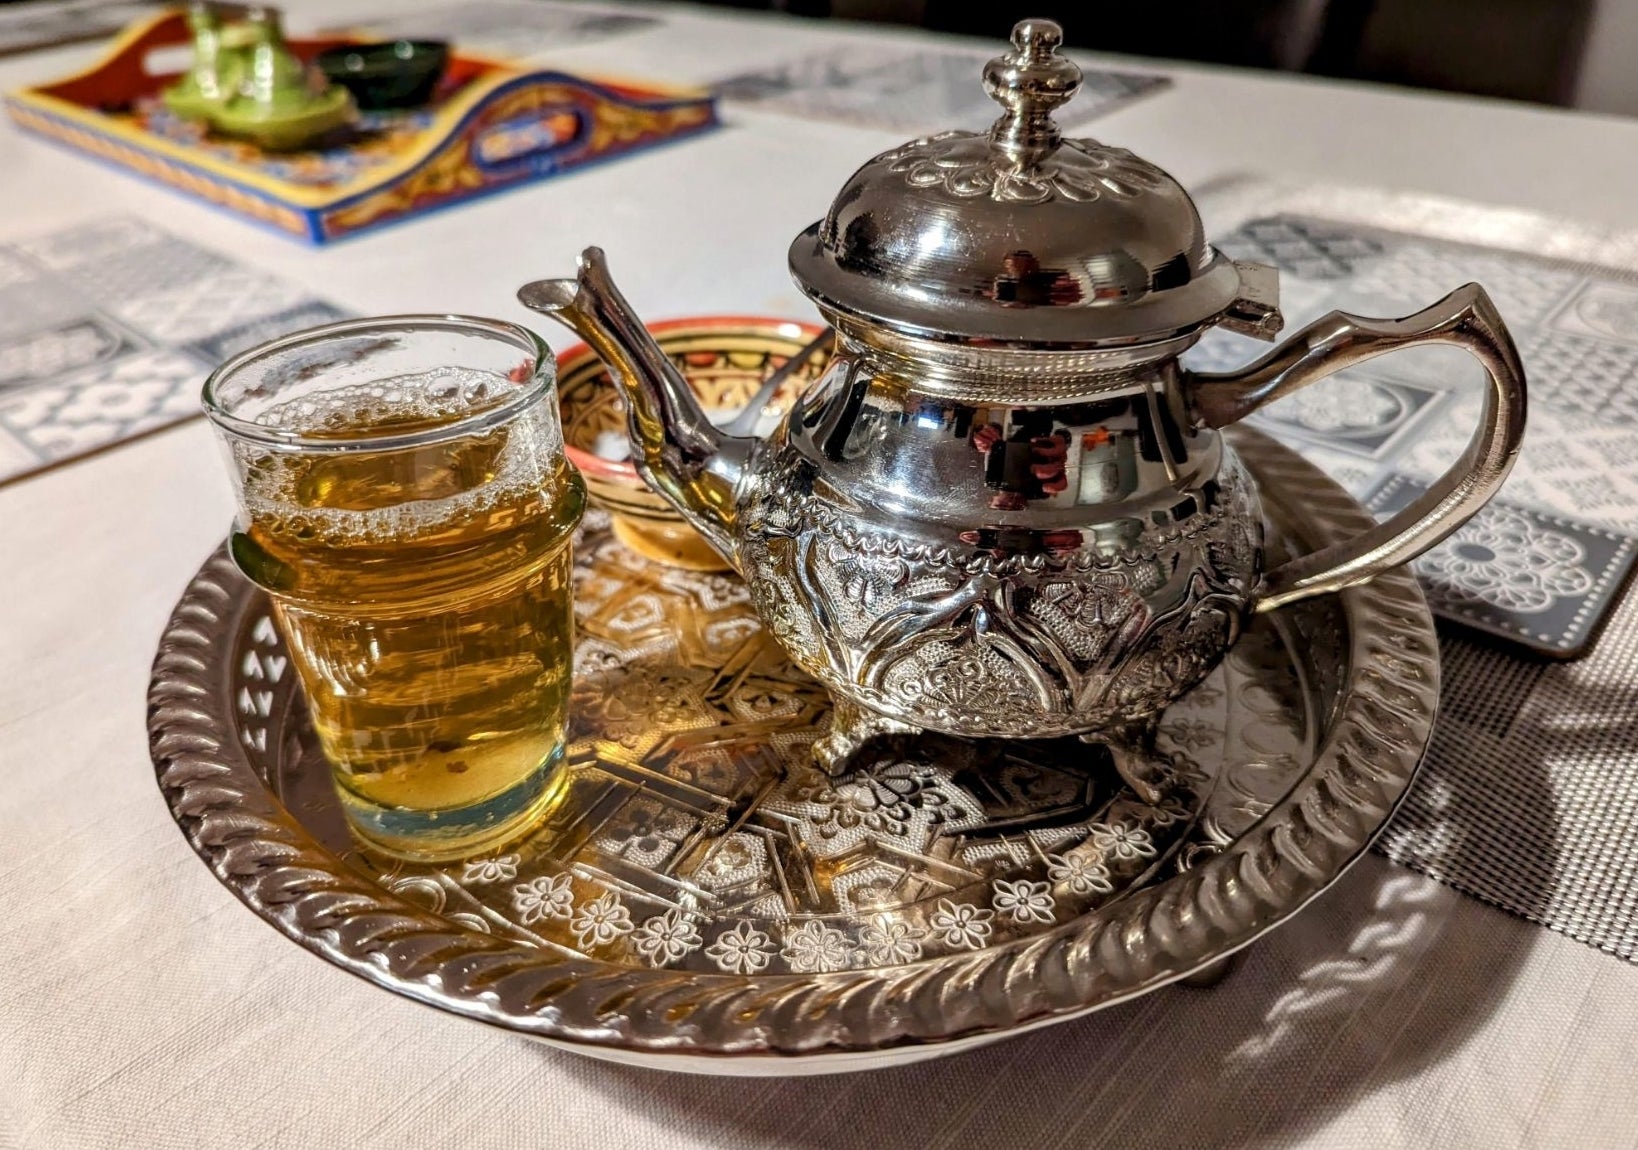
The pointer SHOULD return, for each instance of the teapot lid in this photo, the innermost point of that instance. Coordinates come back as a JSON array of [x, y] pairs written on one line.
[[1021, 236]]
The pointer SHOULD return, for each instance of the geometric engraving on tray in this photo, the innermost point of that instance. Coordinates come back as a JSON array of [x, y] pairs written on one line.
[[228, 341], [104, 404], [461, 947], [1521, 574], [42, 355], [1597, 376], [1309, 249], [698, 834], [1354, 413]]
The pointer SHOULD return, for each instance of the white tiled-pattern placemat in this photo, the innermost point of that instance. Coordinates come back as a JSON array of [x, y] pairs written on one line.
[[108, 329], [909, 89], [1547, 561], [49, 23], [506, 27]]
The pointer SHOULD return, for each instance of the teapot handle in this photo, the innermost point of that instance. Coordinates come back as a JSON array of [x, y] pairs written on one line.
[[1465, 318]]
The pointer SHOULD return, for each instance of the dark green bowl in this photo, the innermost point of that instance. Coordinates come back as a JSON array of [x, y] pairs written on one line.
[[389, 74]]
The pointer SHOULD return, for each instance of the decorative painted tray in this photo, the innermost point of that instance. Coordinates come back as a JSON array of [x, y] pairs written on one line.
[[705, 900], [491, 126]]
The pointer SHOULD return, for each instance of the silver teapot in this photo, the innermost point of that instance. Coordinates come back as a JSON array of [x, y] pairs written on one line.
[[1005, 510]]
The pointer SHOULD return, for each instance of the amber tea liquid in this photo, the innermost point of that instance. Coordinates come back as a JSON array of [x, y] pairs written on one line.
[[425, 596]]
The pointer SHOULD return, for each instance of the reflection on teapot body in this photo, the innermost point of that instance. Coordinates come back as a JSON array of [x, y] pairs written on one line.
[[1005, 509], [995, 568]]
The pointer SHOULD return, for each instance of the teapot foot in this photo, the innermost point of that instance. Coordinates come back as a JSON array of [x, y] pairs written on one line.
[[851, 727], [1141, 764]]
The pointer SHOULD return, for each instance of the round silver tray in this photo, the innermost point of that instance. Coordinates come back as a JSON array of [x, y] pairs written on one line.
[[705, 900]]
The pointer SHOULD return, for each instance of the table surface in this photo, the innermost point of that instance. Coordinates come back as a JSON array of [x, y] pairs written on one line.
[[141, 1005]]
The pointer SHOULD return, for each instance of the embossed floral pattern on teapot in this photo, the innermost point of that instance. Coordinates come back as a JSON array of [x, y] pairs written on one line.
[[1006, 510]]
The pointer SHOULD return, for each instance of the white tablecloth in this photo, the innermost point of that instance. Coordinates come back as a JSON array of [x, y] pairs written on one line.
[[140, 1005]]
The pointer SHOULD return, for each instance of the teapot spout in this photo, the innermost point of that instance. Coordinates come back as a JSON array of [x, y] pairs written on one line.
[[675, 448]]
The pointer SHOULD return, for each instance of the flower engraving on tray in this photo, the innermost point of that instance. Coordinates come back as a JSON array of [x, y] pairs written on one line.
[[742, 950], [1505, 559], [667, 937], [887, 942], [814, 948], [732, 860], [648, 833], [1171, 810], [1122, 841], [1079, 874], [1023, 901], [961, 926], [600, 921], [546, 897], [885, 801], [501, 868]]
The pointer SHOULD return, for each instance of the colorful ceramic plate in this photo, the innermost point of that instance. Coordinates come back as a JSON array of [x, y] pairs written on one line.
[[725, 359]]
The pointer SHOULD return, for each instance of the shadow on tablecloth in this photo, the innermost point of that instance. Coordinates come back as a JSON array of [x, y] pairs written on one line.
[[1387, 974], [1518, 741]]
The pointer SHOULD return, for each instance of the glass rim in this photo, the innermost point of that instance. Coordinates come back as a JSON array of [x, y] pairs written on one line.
[[483, 419]]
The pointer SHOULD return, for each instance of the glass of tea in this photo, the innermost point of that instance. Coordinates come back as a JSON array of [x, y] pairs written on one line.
[[405, 501]]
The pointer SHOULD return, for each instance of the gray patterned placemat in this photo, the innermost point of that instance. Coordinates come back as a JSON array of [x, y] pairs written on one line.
[[36, 25], [1545, 564], [505, 27], [908, 89], [108, 329], [1529, 795]]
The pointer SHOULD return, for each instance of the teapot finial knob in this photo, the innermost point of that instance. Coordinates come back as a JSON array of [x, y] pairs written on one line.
[[1029, 82]]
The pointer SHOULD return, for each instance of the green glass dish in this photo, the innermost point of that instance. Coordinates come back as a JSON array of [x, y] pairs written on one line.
[[388, 74]]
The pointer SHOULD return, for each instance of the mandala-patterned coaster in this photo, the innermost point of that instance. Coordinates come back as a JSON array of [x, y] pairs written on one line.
[[1521, 574]]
